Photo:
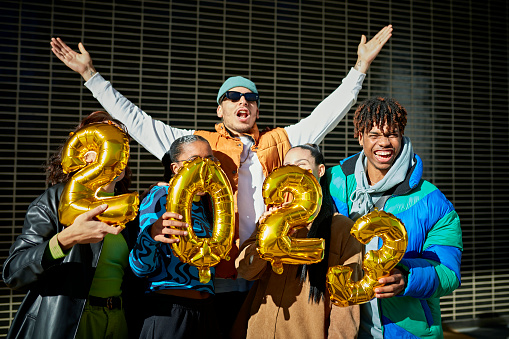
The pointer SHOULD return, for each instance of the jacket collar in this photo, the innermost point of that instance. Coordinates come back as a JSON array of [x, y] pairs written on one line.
[[253, 133], [412, 179]]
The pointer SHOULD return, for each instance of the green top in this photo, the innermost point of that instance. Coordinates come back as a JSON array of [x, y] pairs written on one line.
[[110, 268]]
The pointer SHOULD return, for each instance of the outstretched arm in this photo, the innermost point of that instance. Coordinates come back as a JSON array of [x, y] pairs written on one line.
[[326, 116], [154, 135], [367, 52], [78, 62]]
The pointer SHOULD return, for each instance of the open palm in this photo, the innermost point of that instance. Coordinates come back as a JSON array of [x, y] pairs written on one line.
[[368, 51], [78, 62]]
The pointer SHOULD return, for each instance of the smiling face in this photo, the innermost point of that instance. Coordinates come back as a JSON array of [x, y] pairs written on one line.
[[302, 157], [238, 116], [381, 147]]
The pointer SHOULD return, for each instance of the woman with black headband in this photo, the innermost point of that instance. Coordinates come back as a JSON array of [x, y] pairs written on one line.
[[177, 303]]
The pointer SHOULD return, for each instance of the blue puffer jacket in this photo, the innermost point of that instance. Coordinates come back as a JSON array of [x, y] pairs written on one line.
[[433, 255]]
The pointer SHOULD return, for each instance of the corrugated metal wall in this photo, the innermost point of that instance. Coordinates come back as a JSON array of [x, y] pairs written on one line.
[[446, 63]]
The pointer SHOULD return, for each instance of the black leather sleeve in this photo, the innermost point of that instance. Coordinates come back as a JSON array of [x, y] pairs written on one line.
[[26, 262]]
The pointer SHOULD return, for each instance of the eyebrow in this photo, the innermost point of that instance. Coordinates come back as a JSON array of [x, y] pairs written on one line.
[[388, 132], [286, 163]]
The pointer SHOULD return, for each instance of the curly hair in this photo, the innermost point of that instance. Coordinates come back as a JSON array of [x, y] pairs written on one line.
[[53, 167], [378, 112]]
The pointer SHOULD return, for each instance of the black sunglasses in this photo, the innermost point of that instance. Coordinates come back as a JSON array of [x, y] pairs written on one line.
[[235, 96]]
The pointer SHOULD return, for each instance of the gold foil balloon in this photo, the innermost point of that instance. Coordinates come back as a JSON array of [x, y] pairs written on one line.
[[376, 264], [273, 242], [81, 191], [202, 175]]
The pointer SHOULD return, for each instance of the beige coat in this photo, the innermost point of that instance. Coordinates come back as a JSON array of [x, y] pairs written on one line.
[[278, 306]]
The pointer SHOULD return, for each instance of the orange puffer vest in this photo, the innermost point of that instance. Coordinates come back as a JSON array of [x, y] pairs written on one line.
[[270, 147]]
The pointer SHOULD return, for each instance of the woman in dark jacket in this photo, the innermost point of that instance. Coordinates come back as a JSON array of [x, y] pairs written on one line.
[[62, 268]]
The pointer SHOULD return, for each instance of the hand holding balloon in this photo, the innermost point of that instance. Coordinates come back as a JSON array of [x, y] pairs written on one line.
[[202, 175], [162, 229], [377, 265], [81, 191], [273, 241], [86, 229], [392, 285]]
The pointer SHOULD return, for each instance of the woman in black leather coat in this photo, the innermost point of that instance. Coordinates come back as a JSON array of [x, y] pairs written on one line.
[[58, 289]]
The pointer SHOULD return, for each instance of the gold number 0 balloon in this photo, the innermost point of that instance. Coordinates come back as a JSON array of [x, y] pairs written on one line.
[[80, 192], [202, 175], [273, 242], [376, 264]]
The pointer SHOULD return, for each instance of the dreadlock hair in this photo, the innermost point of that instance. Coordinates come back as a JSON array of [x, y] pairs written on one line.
[[321, 228], [54, 171], [176, 149], [378, 112]]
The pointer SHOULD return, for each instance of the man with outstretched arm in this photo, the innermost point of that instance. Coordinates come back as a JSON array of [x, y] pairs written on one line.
[[246, 154]]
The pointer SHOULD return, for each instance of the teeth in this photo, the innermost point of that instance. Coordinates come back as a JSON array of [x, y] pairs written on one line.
[[243, 113], [383, 153]]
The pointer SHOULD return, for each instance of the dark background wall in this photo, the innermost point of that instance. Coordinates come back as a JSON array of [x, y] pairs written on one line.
[[446, 63]]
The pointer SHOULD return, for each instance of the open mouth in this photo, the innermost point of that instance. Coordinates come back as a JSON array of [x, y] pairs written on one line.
[[384, 155], [243, 114]]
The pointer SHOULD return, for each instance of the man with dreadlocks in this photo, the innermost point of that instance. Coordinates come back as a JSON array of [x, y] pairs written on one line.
[[387, 175]]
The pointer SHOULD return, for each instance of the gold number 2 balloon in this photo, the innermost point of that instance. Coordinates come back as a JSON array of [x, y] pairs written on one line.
[[80, 192], [273, 242], [203, 175], [376, 264]]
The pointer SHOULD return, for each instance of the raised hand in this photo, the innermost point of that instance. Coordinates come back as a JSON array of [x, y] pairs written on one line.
[[161, 228], [367, 52], [86, 230], [78, 62]]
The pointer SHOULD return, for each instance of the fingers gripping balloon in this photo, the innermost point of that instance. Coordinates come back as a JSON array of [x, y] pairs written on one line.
[[203, 175], [273, 242], [80, 192], [376, 264]]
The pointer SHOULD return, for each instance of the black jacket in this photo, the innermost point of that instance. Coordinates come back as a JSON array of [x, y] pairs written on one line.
[[56, 289]]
